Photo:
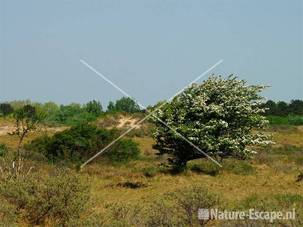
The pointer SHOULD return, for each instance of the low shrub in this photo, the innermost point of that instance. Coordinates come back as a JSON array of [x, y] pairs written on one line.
[[55, 199], [189, 200], [123, 151], [80, 142], [124, 214], [161, 213], [206, 167], [150, 171]]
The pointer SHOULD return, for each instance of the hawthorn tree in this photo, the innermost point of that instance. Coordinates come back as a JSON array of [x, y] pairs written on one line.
[[218, 116]]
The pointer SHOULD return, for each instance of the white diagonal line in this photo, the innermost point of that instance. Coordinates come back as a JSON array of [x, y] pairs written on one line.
[[150, 113], [197, 79]]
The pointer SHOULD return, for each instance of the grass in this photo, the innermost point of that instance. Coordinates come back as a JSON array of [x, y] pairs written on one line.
[[285, 120], [272, 174]]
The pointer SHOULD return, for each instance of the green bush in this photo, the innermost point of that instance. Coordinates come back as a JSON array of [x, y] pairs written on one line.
[[123, 151], [277, 120], [295, 120], [3, 150], [80, 142], [56, 199]]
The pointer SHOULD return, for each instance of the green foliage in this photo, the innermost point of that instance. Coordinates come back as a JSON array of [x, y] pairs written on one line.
[[58, 199], [123, 151], [285, 120], [277, 120], [3, 150], [81, 142], [75, 144], [94, 107], [27, 119], [71, 114], [6, 109], [295, 120], [111, 107], [218, 116], [295, 107], [125, 104]]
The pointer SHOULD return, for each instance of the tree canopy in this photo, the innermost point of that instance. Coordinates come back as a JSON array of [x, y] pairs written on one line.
[[125, 104], [218, 116]]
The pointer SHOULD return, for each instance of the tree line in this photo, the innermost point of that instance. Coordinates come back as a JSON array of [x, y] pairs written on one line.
[[73, 113], [281, 108]]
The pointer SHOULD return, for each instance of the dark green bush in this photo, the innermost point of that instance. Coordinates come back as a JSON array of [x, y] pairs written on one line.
[[81, 142], [123, 151]]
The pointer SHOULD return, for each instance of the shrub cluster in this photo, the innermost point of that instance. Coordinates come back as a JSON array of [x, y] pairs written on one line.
[[55, 200], [81, 142], [178, 208], [125, 104]]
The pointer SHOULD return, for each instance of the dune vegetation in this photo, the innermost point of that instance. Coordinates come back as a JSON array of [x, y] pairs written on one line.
[[130, 184]]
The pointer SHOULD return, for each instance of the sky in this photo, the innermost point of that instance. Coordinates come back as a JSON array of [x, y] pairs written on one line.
[[149, 48]]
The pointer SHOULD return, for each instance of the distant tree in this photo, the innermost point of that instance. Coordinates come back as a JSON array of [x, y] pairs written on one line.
[[94, 107], [296, 107], [68, 111], [111, 106], [6, 109], [27, 120], [271, 107], [218, 116], [282, 108], [126, 104]]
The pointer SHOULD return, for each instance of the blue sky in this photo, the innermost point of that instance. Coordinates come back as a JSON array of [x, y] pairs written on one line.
[[151, 49]]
